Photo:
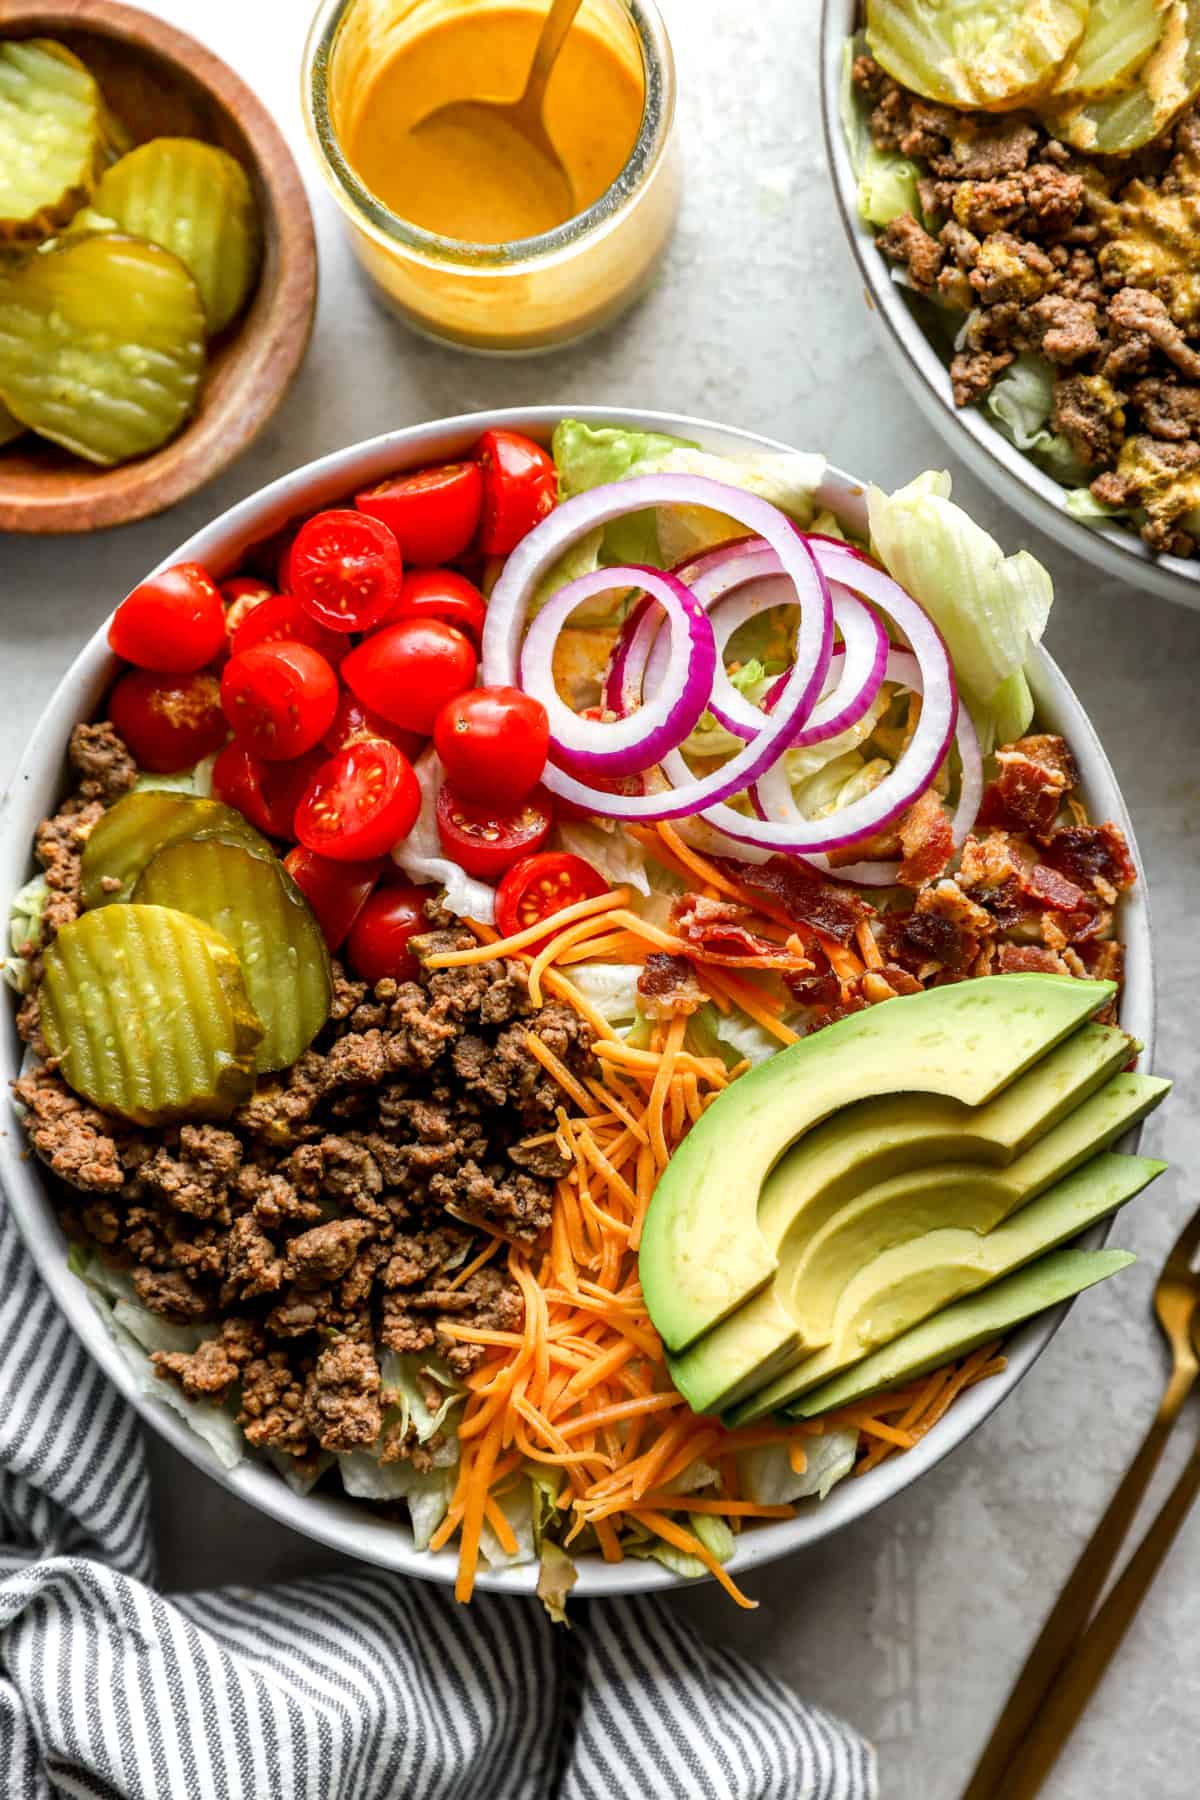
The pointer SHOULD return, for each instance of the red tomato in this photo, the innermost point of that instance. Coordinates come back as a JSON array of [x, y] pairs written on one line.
[[520, 486], [336, 891], [346, 570], [493, 743], [168, 723], [279, 698], [360, 803], [266, 793], [443, 594], [408, 671], [377, 947], [486, 840], [537, 887], [432, 513], [174, 622], [281, 619], [353, 721], [241, 595]]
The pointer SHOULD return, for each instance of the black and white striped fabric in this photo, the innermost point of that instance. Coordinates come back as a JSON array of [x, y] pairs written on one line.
[[356, 1686]]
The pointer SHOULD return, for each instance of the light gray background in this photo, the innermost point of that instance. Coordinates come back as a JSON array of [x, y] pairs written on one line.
[[912, 1623]]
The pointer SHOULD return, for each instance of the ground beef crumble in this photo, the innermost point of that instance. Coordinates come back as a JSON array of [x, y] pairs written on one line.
[[1089, 262]]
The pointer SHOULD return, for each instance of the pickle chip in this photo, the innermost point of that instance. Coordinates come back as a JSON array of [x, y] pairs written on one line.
[[132, 832], [10, 428], [148, 1015], [975, 53], [257, 906], [52, 141], [1169, 79], [1120, 36], [102, 345], [196, 201]]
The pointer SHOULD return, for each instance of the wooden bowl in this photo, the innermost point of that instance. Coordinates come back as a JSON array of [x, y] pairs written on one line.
[[163, 83]]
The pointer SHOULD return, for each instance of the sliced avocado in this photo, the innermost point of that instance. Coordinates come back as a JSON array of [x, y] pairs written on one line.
[[702, 1252], [914, 1280], [776, 1329], [969, 1323]]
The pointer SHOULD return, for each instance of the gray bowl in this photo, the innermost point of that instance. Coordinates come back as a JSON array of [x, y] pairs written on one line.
[[332, 1519], [969, 433]]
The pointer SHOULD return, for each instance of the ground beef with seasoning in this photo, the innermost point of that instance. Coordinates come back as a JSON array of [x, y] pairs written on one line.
[[333, 1217], [1088, 262]]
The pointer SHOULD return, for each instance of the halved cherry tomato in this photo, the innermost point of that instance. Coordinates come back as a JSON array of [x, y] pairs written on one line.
[[432, 513], [279, 698], [266, 793], [280, 618], [336, 891], [409, 670], [346, 570], [169, 722], [174, 622], [537, 887], [486, 840], [377, 947], [353, 721], [241, 595], [493, 743], [520, 486], [443, 594], [360, 803]]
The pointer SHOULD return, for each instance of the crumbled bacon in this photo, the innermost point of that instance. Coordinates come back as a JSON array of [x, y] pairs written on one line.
[[717, 932], [1052, 888], [1021, 959], [668, 987], [804, 895], [821, 990], [994, 873], [1103, 960], [926, 842], [925, 941], [1036, 774], [1093, 856]]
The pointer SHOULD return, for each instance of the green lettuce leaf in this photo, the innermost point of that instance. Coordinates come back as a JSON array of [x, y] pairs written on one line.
[[1083, 505], [608, 847], [197, 780], [767, 1475], [1021, 403], [26, 933], [556, 1577], [887, 181], [401, 1378], [517, 1507]]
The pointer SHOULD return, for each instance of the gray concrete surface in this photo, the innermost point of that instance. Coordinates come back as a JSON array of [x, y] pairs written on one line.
[[912, 1623]]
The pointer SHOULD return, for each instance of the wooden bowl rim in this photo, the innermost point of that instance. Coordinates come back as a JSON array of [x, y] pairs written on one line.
[[281, 326]]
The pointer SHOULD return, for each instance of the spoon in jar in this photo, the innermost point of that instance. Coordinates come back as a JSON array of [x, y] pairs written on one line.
[[516, 128]]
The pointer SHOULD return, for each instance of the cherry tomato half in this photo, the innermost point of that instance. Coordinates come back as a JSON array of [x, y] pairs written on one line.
[[486, 840], [360, 803], [169, 722], [409, 670], [336, 891], [174, 622], [280, 618], [432, 513], [241, 595], [266, 793], [353, 721], [493, 743], [377, 947], [537, 887], [443, 594], [520, 486], [346, 570], [279, 698]]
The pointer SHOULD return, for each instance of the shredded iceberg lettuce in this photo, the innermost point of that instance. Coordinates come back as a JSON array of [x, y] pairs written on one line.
[[713, 1533], [400, 1377], [420, 854], [25, 933], [609, 848], [611, 988], [556, 1577], [767, 1476], [1021, 403], [196, 780], [887, 181]]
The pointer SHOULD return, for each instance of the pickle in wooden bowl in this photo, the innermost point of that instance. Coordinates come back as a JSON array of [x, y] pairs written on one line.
[[1116, 123], [975, 53], [132, 832], [52, 138]]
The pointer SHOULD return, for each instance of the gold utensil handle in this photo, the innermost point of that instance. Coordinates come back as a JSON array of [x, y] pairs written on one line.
[[1086, 1668]]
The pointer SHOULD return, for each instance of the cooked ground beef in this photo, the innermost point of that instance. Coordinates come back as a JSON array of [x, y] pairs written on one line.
[[1089, 263]]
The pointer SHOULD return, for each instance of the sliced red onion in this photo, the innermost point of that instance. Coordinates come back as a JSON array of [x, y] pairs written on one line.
[[635, 739]]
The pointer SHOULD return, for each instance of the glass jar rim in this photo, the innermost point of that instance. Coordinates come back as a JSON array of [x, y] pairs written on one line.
[[371, 214]]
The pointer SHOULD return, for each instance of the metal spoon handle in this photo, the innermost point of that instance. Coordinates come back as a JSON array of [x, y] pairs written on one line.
[[559, 21]]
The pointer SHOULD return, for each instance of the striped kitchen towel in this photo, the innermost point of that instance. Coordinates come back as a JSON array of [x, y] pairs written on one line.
[[354, 1686]]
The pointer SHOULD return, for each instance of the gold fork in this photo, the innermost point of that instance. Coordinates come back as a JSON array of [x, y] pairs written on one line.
[[1017, 1747]]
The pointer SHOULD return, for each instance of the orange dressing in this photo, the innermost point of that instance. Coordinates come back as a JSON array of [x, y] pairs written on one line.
[[482, 182]]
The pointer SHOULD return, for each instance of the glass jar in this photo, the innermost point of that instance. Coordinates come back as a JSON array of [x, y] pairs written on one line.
[[536, 292]]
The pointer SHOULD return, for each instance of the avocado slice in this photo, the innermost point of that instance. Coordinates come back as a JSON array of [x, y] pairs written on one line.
[[966, 1325], [912, 1281], [702, 1252], [778, 1327]]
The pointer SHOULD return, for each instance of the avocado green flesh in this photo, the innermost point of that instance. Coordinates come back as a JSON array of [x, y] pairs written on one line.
[[910, 1282], [966, 1325], [699, 1258], [795, 1316]]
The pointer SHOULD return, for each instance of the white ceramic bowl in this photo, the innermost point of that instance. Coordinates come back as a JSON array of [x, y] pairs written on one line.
[[969, 432], [348, 1525]]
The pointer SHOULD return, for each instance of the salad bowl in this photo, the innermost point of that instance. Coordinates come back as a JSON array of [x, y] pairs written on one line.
[[338, 1522]]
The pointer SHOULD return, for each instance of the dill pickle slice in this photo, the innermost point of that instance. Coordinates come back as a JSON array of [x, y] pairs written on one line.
[[196, 201], [132, 832], [102, 345], [10, 428], [1117, 123], [147, 1011], [52, 143], [985, 53], [1120, 36], [259, 908]]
